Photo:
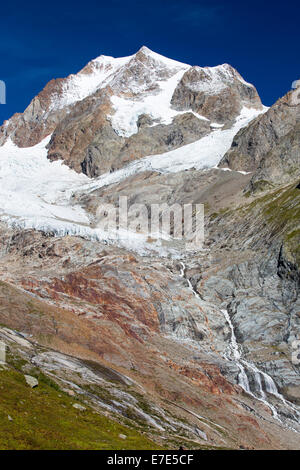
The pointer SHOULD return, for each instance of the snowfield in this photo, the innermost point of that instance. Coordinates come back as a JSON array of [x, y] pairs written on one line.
[[124, 120], [36, 193], [33, 188]]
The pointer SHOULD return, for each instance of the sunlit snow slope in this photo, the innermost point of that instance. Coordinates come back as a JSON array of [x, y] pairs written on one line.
[[33, 189]]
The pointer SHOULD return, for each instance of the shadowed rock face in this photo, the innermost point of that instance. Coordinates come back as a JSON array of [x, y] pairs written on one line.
[[74, 133], [269, 145], [185, 129]]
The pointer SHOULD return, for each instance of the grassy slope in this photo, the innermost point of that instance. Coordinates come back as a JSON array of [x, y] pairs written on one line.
[[44, 418], [281, 210], [284, 213]]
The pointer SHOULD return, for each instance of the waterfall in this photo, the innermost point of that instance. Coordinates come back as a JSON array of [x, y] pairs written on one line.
[[269, 384], [271, 388], [260, 378], [182, 274], [258, 375], [243, 379], [243, 365], [235, 353]]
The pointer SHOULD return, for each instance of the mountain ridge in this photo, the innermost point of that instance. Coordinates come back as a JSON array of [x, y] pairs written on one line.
[[120, 92]]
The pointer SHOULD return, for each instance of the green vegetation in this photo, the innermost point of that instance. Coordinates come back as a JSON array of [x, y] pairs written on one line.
[[281, 210], [283, 213], [292, 245], [44, 418]]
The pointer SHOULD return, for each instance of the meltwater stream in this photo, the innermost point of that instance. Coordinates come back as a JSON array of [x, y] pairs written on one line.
[[260, 378], [234, 353]]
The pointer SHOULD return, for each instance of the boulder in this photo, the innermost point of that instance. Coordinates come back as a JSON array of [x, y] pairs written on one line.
[[79, 407], [31, 381]]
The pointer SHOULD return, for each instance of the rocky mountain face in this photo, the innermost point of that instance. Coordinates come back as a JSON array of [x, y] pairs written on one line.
[[218, 93], [269, 146], [191, 348]]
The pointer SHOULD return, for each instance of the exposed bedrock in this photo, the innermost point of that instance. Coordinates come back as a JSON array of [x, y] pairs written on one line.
[[217, 93], [102, 156], [268, 146]]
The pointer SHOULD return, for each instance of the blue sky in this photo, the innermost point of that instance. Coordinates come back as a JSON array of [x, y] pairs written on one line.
[[41, 41]]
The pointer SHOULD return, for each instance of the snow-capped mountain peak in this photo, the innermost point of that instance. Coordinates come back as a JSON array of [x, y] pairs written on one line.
[[105, 70], [171, 63], [115, 119], [121, 91]]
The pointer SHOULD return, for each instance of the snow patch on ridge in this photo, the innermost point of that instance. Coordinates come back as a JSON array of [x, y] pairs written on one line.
[[94, 76], [215, 79], [158, 106], [170, 63]]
